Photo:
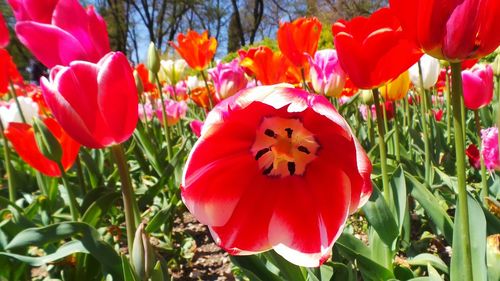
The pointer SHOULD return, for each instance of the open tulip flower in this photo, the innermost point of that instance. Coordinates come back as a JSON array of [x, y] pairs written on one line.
[[228, 78], [4, 33], [268, 67], [451, 30], [478, 87], [173, 71], [294, 168], [96, 104], [327, 76], [299, 39], [196, 49], [58, 32], [489, 148], [10, 112], [22, 137], [396, 89], [374, 50]]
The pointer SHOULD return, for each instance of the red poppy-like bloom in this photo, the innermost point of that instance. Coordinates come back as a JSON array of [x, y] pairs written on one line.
[[298, 39], [22, 137], [196, 49], [473, 154], [276, 168], [451, 30], [374, 50], [269, 67], [8, 71], [96, 104]]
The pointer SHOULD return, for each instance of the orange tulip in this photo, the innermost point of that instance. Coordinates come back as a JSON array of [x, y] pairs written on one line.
[[299, 38], [200, 96], [144, 74], [22, 137], [197, 50], [269, 67]]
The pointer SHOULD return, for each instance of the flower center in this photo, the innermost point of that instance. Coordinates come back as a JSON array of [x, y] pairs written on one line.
[[283, 147]]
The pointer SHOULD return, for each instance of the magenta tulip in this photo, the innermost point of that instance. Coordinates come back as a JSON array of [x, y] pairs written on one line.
[[228, 79], [327, 76], [478, 87], [96, 104], [59, 32]]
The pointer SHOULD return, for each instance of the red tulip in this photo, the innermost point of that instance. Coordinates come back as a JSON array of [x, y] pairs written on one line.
[[374, 50], [58, 32], [96, 104], [4, 33], [478, 87], [22, 137], [451, 30], [8, 71], [286, 168], [299, 39]]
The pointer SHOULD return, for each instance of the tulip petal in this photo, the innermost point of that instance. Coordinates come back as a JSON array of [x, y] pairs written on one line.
[[49, 44], [118, 97]]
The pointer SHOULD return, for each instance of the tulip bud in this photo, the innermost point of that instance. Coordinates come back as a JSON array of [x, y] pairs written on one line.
[[143, 257], [47, 143], [138, 83], [153, 59], [367, 96], [496, 65]]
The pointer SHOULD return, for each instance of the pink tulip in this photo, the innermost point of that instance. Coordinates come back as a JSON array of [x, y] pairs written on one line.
[[180, 93], [478, 87], [173, 109], [196, 126], [4, 33], [228, 79], [96, 104], [327, 76], [58, 32], [489, 148]]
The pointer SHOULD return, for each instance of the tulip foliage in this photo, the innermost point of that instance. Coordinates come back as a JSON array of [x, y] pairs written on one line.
[[377, 159]]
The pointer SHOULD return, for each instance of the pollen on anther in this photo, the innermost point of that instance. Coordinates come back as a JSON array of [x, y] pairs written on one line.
[[303, 149], [289, 132], [261, 152], [268, 170], [270, 133], [291, 168]]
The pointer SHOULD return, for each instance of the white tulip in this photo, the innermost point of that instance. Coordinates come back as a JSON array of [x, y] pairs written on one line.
[[430, 71], [10, 113]]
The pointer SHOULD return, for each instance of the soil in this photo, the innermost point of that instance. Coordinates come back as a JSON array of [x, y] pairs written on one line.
[[208, 262]]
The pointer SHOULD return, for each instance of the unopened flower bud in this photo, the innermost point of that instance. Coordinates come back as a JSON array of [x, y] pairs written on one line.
[[143, 257], [153, 59], [47, 143]]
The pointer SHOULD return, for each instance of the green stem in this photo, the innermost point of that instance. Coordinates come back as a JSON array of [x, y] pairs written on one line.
[[127, 194], [484, 183], [79, 173], [304, 82], [448, 110], [8, 166], [73, 205], [423, 108], [370, 125], [208, 89], [164, 117], [396, 133], [457, 93], [382, 146], [14, 96]]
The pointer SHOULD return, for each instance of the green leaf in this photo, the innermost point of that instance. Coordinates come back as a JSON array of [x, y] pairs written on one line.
[[433, 274], [290, 271], [128, 272], [370, 269], [428, 201], [254, 268], [159, 219], [99, 208], [425, 259], [63, 251], [398, 185], [477, 230], [86, 234], [379, 215]]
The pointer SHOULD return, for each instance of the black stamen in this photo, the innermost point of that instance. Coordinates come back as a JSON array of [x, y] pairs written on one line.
[[261, 153], [270, 133], [291, 168], [303, 149], [267, 170], [289, 132]]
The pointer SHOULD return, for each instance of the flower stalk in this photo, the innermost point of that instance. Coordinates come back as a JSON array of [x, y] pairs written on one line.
[[484, 183], [425, 119], [457, 102]]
